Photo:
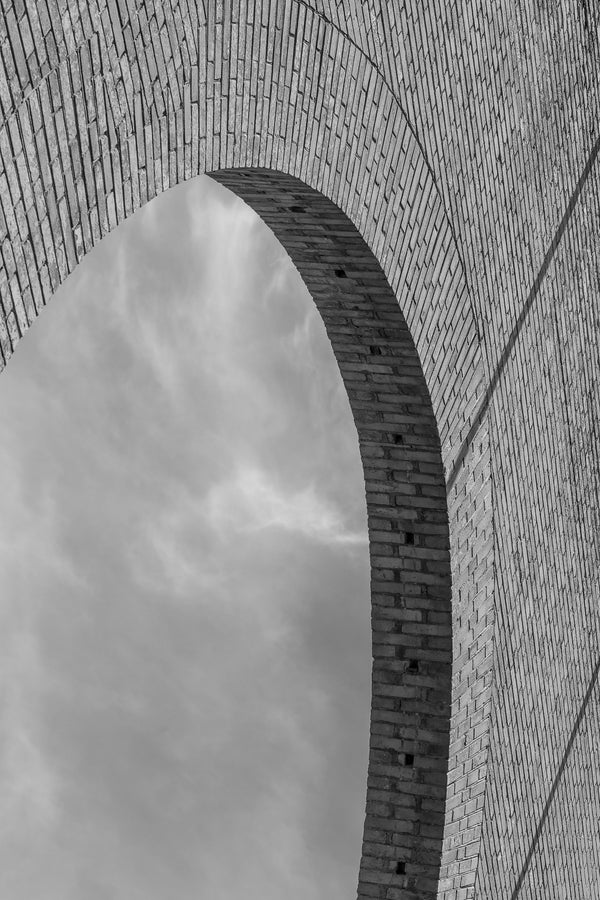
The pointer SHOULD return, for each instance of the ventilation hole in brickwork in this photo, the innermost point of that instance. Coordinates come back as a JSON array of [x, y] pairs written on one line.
[[409, 537], [409, 759], [400, 868], [413, 665], [340, 273], [297, 209], [398, 439], [375, 351]]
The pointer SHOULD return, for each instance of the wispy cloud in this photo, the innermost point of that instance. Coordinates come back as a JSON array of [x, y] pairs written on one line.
[[184, 578], [252, 501], [29, 783]]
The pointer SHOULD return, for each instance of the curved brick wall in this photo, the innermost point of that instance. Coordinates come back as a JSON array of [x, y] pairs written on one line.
[[450, 154], [408, 527]]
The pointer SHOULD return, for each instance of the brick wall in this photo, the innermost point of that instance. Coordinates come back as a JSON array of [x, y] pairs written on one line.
[[453, 147]]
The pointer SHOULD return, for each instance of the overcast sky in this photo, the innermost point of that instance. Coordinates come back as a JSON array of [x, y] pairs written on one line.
[[184, 600]]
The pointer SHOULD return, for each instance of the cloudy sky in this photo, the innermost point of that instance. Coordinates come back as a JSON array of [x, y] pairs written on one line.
[[184, 612]]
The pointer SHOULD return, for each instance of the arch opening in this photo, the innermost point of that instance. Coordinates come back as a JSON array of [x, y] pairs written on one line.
[[224, 697], [408, 529]]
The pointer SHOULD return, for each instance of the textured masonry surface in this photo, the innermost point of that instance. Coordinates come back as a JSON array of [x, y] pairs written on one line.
[[442, 156]]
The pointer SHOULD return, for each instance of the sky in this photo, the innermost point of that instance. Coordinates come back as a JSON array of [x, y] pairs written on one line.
[[184, 583]]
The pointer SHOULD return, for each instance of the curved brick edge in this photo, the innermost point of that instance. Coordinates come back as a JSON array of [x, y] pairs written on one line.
[[408, 531], [317, 234]]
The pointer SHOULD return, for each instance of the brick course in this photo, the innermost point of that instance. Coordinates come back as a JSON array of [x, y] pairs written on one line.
[[443, 156]]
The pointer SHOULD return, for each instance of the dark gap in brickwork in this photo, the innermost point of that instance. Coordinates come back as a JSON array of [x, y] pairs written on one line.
[[406, 497], [400, 868]]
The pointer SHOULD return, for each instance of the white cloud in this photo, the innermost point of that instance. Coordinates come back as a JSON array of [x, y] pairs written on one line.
[[169, 552], [251, 501]]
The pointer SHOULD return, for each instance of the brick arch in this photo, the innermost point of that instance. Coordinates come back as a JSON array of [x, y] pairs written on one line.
[[462, 144], [408, 529], [124, 104]]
